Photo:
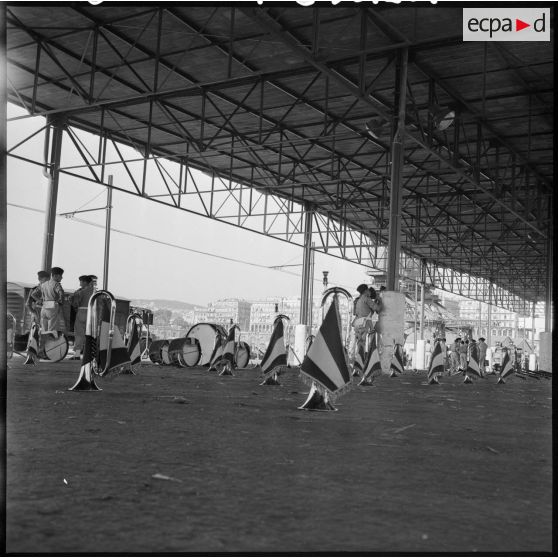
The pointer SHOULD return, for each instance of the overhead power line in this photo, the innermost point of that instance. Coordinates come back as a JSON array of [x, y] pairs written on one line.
[[172, 245]]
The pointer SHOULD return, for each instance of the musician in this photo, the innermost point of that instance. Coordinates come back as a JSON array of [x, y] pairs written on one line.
[[363, 309], [454, 356], [35, 298], [53, 299], [80, 302]]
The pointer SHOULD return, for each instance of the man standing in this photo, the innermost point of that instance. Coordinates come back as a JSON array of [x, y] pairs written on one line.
[[35, 299], [53, 299], [363, 309], [454, 356], [482, 346], [80, 301]]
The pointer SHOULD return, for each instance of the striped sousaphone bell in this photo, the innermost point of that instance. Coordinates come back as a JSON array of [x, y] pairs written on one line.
[[473, 367], [373, 365], [104, 348], [134, 325], [33, 345], [275, 356], [397, 366], [360, 360], [507, 368], [226, 362], [326, 365], [436, 367]]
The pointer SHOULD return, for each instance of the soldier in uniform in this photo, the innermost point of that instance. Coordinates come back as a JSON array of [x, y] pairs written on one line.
[[53, 299], [80, 301], [35, 298]]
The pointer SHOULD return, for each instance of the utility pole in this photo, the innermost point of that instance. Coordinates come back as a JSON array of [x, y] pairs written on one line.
[[107, 233]]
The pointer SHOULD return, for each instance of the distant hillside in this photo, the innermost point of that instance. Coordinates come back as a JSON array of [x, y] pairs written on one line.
[[163, 303]]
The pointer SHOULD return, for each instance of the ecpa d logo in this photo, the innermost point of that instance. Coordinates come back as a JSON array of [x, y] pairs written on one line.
[[506, 24]]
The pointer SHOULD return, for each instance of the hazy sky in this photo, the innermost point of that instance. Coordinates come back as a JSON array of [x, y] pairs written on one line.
[[139, 267]]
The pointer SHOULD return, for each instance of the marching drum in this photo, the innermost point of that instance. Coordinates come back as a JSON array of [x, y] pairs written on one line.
[[54, 349], [184, 351], [155, 350], [191, 352], [210, 338], [242, 354]]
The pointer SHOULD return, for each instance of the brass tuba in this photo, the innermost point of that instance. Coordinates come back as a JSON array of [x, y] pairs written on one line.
[[336, 291]]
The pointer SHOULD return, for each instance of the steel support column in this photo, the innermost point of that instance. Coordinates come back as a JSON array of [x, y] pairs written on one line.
[[533, 323], [489, 319], [548, 305], [306, 266], [3, 255], [397, 151], [52, 174], [422, 289]]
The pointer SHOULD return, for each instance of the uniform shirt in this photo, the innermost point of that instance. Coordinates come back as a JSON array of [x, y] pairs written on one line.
[[81, 297], [52, 290], [35, 298], [364, 306]]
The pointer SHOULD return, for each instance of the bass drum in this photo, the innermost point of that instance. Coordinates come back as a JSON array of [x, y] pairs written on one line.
[[242, 354], [191, 352], [184, 351], [210, 337], [55, 349], [155, 351]]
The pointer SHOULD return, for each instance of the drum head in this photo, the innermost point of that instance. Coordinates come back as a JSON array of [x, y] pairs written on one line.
[[165, 353], [175, 351], [242, 355], [209, 337], [155, 351], [191, 352], [55, 349]]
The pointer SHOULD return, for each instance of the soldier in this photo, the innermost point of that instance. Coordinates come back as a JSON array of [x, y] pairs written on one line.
[[35, 299], [80, 302], [53, 299], [454, 356], [364, 307]]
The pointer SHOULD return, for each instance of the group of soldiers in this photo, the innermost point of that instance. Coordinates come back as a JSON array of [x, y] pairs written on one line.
[[460, 354], [46, 302]]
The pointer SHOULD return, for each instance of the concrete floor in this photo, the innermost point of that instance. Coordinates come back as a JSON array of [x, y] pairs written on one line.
[[182, 460]]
